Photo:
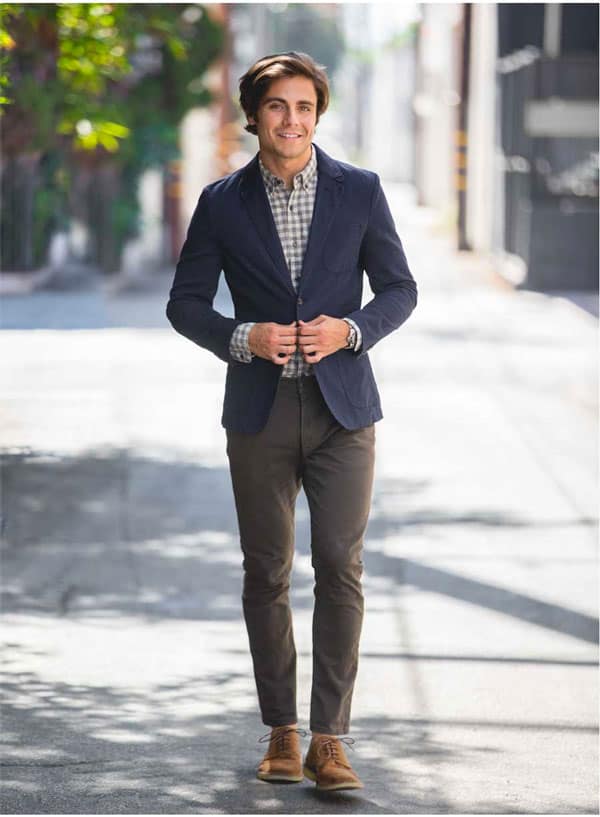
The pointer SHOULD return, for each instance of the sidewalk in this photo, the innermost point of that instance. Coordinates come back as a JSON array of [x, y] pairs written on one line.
[[128, 682]]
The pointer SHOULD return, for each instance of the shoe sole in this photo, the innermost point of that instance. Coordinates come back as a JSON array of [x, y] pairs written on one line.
[[280, 778], [335, 786]]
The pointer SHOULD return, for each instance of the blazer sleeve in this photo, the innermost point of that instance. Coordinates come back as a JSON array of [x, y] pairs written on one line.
[[383, 259], [190, 307]]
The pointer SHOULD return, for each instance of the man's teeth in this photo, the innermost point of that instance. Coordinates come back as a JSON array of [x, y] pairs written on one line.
[[290, 135]]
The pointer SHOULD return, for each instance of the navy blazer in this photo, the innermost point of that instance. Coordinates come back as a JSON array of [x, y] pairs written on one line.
[[352, 230]]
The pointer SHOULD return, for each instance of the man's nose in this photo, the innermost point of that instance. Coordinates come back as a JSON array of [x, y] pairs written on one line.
[[291, 117]]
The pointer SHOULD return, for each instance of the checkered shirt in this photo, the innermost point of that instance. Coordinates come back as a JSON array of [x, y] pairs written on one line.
[[292, 212]]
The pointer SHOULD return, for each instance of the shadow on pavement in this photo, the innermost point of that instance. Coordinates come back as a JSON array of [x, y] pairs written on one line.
[[172, 530], [113, 751], [119, 535]]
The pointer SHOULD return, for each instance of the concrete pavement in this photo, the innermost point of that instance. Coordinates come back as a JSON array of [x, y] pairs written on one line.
[[127, 679]]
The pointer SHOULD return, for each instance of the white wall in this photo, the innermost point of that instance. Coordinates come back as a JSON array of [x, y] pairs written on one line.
[[436, 104], [198, 135], [481, 117]]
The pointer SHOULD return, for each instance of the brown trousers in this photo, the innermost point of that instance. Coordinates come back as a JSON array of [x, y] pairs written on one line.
[[303, 445]]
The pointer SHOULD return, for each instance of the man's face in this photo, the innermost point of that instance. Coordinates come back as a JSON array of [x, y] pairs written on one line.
[[286, 118]]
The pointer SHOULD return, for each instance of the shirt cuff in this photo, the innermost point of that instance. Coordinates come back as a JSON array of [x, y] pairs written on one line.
[[238, 345], [358, 333]]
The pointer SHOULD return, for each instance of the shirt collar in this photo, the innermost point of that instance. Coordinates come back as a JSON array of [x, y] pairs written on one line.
[[303, 178]]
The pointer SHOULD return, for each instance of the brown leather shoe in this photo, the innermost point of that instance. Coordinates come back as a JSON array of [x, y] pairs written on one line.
[[326, 763], [283, 760]]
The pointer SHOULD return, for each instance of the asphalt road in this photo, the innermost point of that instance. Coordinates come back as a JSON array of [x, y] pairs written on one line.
[[127, 679]]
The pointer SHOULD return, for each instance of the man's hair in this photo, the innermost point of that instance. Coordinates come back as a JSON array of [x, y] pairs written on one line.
[[257, 79]]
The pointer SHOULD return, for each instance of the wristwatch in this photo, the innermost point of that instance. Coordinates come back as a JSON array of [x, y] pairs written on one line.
[[351, 338]]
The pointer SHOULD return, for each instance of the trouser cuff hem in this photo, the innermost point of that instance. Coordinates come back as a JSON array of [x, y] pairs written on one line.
[[324, 730], [280, 721]]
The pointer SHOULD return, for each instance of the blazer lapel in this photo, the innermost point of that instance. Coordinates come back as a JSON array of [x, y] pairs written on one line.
[[330, 188], [254, 196]]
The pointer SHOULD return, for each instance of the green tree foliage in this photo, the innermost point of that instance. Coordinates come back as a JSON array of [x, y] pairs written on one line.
[[100, 82]]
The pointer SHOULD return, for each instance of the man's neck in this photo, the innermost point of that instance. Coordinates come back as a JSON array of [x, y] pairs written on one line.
[[285, 169]]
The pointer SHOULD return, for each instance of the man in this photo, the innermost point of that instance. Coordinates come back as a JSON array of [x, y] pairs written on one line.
[[293, 231]]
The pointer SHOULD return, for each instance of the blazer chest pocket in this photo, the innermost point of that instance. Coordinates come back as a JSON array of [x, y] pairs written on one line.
[[342, 246]]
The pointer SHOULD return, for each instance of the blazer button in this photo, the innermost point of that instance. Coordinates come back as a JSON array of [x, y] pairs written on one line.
[[300, 301]]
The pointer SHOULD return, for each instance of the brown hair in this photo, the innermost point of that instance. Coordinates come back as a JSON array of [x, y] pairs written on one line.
[[256, 81]]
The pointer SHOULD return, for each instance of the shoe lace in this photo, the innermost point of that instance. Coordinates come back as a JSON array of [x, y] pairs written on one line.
[[330, 748], [280, 739]]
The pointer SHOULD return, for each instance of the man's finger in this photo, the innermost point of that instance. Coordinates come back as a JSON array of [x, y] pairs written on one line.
[[309, 349], [315, 321], [308, 332]]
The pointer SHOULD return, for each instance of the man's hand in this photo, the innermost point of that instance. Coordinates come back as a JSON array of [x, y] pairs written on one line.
[[321, 337], [273, 341]]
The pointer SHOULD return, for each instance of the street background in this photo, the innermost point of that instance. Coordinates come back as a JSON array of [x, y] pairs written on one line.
[[127, 682]]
